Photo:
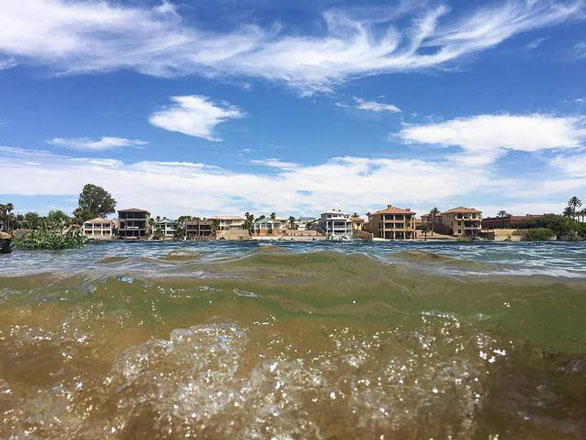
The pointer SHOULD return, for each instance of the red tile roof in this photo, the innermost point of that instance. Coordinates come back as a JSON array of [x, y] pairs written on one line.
[[393, 210], [462, 210]]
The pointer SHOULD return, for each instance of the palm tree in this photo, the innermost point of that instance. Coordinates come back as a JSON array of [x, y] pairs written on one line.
[[273, 216], [433, 213], [425, 230], [291, 222], [6, 209], [248, 222], [568, 212], [503, 214], [583, 214], [573, 204]]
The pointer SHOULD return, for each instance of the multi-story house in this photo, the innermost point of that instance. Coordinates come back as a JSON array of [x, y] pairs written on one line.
[[462, 221], [336, 224], [200, 230], [392, 223], [98, 229], [268, 226], [228, 222], [167, 229], [133, 224]]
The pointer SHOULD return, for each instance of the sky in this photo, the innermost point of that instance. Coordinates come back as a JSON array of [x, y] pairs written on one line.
[[193, 107]]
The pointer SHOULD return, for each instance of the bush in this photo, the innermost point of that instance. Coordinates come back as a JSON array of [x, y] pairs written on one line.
[[54, 236], [538, 234]]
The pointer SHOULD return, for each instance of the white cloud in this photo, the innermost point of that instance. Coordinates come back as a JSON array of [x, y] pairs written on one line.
[[194, 115], [167, 188], [350, 183], [374, 106], [580, 50], [484, 138], [87, 144], [88, 36], [574, 165], [275, 163]]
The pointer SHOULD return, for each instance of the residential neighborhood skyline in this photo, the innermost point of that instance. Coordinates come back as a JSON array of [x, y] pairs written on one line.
[[295, 107]]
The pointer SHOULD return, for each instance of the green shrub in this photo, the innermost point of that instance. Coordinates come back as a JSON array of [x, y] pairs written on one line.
[[538, 234], [54, 236]]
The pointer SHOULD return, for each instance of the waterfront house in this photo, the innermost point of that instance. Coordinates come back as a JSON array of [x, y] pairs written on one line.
[[98, 229], [228, 222], [268, 226], [336, 224], [357, 223], [303, 223], [166, 229], [200, 230], [133, 224], [392, 223], [462, 221]]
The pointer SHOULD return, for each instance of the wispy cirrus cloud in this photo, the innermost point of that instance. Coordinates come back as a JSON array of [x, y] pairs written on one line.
[[484, 138], [374, 106], [91, 36], [102, 144], [580, 50], [194, 115]]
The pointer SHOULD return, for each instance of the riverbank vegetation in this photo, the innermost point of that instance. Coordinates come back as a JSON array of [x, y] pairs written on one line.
[[52, 236]]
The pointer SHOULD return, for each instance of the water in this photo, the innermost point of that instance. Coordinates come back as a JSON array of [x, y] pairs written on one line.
[[294, 340]]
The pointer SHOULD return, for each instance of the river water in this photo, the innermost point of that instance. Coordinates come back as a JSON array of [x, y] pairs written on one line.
[[317, 340]]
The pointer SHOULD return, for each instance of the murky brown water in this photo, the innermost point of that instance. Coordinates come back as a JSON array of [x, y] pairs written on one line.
[[291, 346]]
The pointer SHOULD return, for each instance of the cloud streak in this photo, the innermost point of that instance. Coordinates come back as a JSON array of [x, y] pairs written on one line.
[[374, 106], [91, 36], [194, 115], [102, 144]]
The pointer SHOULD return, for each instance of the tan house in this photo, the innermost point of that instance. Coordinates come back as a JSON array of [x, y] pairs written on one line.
[[200, 230], [462, 222], [228, 222], [133, 224], [98, 229], [357, 224], [392, 223]]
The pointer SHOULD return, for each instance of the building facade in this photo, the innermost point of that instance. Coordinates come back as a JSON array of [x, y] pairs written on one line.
[[336, 224], [462, 221], [268, 226], [228, 222], [392, 223], [133, 224], [200, 230], [98, 229], [510, 221], [167, 229]]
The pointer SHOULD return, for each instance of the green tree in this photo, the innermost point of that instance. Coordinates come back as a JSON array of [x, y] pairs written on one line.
[[425, 229], [574, 203], [96, 200], [32, 220], [291, 222], [248, 222], [81, 215], [56, 217], [503, 214], [6, 209], [434, 212], [273, 216]]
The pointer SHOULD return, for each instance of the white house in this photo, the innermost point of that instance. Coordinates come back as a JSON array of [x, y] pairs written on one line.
[[268, 226], [336, 224], [168, 228], [303, 222], [98, 229]]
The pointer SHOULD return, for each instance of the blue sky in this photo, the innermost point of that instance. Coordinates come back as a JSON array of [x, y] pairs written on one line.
[[193, 107]]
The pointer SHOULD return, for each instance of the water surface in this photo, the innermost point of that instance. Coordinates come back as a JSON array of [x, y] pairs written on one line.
[[293, 340]]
